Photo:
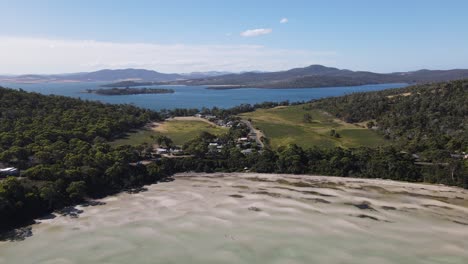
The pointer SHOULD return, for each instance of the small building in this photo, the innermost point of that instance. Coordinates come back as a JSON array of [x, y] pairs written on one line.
[[161, 151], [11, 171], [243, 139], [199, 115], [247, 151], [176, 151], [458, 156]]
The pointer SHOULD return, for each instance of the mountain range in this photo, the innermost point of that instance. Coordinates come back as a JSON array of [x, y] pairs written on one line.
[[109, 76], [321, 76], [307, 77]]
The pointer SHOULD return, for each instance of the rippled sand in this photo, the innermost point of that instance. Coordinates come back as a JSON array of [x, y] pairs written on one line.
[[257, 218]]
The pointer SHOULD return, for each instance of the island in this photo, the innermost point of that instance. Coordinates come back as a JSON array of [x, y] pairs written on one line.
[[129, 91]]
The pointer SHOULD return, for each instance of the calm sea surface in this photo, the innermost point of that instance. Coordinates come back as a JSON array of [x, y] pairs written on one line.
[[197, 97]]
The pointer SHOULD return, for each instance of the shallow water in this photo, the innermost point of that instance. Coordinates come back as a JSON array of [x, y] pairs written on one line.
[[257, 218], [197, 97]]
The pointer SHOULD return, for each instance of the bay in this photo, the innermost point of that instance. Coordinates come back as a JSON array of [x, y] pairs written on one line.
[[196, 96]]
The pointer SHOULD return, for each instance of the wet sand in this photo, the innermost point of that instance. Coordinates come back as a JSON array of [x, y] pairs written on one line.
[[256, 218]]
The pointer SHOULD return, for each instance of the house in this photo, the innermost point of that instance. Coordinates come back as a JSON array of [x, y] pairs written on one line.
[[199, 115], [161, 151], [210, 117], [213, 145], [220, 123], [243, 139], [246, 145], [176, 151], [11, 171], [247, 151], [252, 136]]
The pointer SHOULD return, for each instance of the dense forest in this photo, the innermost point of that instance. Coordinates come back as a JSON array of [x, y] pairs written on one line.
[[431, 119], [59, 143]]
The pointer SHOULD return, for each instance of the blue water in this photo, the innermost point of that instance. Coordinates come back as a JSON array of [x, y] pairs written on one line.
[[197, 97]]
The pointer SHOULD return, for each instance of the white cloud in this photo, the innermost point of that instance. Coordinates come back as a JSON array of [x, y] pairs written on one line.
[[41, 55], [256, 32], [284, 20]]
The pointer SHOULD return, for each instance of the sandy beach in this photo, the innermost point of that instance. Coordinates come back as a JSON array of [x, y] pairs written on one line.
[[257, 218]]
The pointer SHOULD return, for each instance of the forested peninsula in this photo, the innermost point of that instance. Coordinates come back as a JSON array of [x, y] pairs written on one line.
[[129, 91], [128, 84]]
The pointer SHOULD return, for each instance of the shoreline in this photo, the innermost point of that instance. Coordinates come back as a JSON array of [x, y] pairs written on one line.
[[377, 181]]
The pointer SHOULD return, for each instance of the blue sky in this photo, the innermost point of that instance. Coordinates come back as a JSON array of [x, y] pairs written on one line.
[[183, 36]]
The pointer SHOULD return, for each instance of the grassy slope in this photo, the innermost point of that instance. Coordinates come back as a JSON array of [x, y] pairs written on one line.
[[179, 131], [285, 125], [134, 138]]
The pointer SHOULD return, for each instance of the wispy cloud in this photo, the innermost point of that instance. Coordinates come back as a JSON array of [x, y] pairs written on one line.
[[256, 32], [284, 20], [42, 55]]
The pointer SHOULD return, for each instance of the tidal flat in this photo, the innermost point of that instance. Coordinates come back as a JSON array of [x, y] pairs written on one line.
[[254, 218]]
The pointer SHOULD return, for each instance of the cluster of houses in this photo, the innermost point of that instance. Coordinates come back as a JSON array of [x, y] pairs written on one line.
[[246, 143], [168, 151], [216, 120]]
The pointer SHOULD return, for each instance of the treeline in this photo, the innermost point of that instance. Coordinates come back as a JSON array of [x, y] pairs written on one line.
[[431, 118], [385, 162], [59, 143], [225, 113], [129, 91]]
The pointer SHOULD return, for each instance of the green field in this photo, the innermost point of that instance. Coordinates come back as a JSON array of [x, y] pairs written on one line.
[[180, 131], [286, 125]]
